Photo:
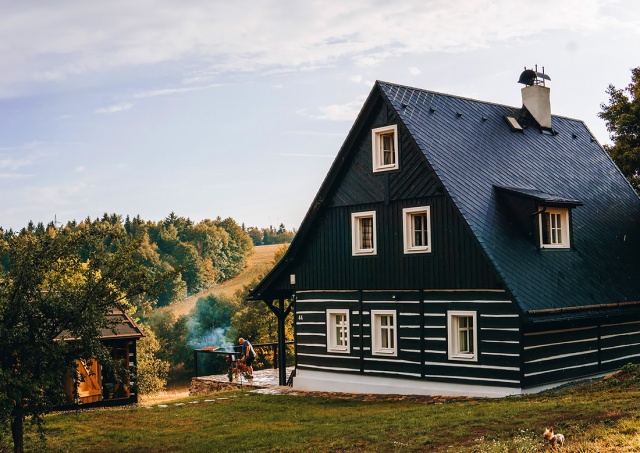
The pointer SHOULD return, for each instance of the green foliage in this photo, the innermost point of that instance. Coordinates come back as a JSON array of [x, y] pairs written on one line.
[[152, 371], [57, 284], [173, 336], [268, 236], [622, 115], [212, 312]]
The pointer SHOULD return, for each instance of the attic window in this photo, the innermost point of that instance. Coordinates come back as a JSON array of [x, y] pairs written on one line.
[[385, 148], [513, 124], [554, 228]]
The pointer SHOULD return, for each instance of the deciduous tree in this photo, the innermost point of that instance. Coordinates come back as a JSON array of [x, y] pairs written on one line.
[[622, 115], [56, 288]]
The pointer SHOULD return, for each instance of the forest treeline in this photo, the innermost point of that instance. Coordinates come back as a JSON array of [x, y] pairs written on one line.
[[197, 254]]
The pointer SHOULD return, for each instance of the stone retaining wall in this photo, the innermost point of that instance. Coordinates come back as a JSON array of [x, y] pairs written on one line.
[[202, 386]]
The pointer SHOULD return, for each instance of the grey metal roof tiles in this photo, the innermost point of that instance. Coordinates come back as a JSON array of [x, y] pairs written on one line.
[[473, 150]]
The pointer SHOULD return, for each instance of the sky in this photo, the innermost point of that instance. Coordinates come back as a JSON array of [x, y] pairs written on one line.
[[237, 109]]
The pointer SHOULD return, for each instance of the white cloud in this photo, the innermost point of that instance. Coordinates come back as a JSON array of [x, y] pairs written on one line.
[[337, 112], [170, 91], [122, 106], [414, 71], [49, 42]]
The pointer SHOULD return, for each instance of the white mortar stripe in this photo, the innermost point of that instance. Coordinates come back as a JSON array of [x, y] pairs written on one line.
[[372, 359], [410, 350], [457, 301], [563, 368], [302, 365], [500, 342], [463, 378], [327, 356], [435, 339], [393, 372], [558, 344], [621, 358], [309, 345], [327, 300], [561, 356], [500, 354], [499, 316], [435, 314], [500, 329], [310, 323], [621, 346], [474, 365], [303, 334], [619, 335], [433, 351], [410, 338]]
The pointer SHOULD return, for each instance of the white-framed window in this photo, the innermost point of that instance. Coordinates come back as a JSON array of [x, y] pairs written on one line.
[[385, 148], [338, 330], [417, 229], [554, 228], [384, 338], [363, 233], [463, 335]]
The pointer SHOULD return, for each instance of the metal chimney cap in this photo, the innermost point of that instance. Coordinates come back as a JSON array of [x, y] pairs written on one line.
[[531, 77]]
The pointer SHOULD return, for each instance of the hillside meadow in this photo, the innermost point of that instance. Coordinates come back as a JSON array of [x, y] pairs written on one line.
[[596, 416]]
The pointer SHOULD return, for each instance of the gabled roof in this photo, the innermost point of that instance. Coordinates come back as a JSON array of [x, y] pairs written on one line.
[[121, 326], [472, 151], [476, 155]]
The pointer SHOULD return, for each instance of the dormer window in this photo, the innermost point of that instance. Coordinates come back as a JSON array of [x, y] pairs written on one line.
[[385, 148], [554, 228]]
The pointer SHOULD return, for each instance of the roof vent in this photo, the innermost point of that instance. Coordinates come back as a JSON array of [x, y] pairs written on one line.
[[536, 96], [530, 77]]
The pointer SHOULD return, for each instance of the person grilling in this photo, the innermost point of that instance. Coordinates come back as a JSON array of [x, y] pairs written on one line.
[[248, 354]]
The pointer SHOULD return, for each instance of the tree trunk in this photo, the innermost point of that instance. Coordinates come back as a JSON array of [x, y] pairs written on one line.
[[17, 430]]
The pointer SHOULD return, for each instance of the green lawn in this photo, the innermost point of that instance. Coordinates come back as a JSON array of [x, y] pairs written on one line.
[[603, 416]]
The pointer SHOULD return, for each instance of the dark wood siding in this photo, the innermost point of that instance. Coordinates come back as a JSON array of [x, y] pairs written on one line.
[[498, 330], [422, 336], [561, 355]]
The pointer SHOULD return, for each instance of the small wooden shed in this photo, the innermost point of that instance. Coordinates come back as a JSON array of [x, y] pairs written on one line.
[[101, 383]]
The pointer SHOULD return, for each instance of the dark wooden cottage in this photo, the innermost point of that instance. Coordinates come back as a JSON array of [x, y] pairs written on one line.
[[106, 384], [463, 247]]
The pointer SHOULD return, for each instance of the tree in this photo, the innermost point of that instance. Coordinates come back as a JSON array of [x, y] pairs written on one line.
[[152, 371], [622, 116], [56, 288]]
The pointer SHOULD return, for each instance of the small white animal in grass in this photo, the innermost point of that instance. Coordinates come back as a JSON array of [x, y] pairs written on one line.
[[553, 439]]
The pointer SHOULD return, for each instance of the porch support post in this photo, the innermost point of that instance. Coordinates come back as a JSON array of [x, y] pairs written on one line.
[[282, 356]]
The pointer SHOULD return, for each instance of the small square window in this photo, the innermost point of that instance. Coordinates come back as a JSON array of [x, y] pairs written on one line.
[[383, 332], [463, 335], [338, 330], [385, 148], [554, 228], [363, 233], [417, 229]]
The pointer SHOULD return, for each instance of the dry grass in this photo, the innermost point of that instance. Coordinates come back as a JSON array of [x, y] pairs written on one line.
[[258, 263]]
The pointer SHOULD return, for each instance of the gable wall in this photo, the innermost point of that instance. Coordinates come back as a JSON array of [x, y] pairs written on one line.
[[325, 261]]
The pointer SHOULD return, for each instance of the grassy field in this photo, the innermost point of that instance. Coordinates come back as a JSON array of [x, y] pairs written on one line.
[[257, 264], [602, 416]]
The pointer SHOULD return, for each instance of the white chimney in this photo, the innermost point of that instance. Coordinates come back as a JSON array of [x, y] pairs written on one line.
[[536, 96], [536, 99]]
